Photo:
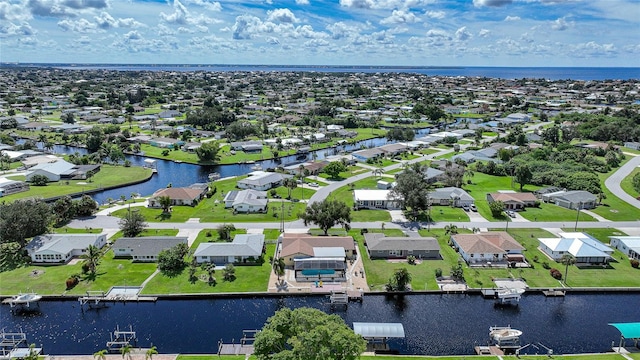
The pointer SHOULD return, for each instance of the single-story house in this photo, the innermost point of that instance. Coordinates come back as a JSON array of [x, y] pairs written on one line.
[[168, 143], [8, 187], [374, 199], [145, 249], [450, 196], [394, 149], [632, 145], [584, 248], [189, 196], [247, 146], [513, 200], [628, 245], [60, 248], [244, 247], [575, 199], [246, 201], [366, 154], [316, 258], [262, 180], [488, 247], [54, 171], [380, 246]]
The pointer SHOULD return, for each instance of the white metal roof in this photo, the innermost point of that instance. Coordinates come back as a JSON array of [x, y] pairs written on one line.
[[379, 330]]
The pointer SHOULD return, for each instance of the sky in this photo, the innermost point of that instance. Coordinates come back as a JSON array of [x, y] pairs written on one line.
[[516, 33]]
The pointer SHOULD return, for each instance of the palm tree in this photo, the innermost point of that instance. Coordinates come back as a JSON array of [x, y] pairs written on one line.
[[100, 355], [48, 145], [377, 171], [93, 257], [468, 172], [42, 138], [566, 260], [165, 203], [450, 229], [290, 184], [150, 352], [126, 350], [278, 267]]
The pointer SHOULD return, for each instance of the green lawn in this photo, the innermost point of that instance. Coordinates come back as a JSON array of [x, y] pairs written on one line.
[[211, 235], [627, 186], [248, 279], [346, 195], [108, 176], [604, 356], [351, 171], [552, 212], [482, 184], [613, 208], [448, 214]]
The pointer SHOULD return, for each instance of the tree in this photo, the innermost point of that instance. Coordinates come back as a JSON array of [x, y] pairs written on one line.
[[401, 278], [566, 260], [326, 214], [309, 334], [94, 139], [229, 272], [126, 351], [334, 168], [100, 355], [23, 219], [290, 184], [278, 267], [451, 229], [496, 207], [224, 231], [5, 161], [636, 182], [12, 256], [523, 175], [171, 261], [86, 206], [412, 190], [68, 118], [63, 210], [208, 152], [150, 352], [165, 203], [39, 180], [132, 224], [93, 258]]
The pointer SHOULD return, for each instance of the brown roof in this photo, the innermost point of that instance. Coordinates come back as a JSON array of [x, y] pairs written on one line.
[[178, 193], [304, 243], [513, 197], [489, 242]]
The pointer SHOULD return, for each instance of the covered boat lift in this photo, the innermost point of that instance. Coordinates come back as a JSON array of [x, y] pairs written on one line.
[[377, 334], [627, 331]]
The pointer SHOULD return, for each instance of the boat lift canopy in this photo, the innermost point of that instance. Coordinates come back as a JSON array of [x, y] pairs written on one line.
[[379, 330], [628, 330]]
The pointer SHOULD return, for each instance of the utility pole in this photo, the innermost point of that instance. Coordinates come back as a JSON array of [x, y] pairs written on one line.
[[282, 217], [579, 205]]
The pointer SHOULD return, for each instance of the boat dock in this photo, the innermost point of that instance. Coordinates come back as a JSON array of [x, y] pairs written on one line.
[[98, 298], [503, 296], [244, 347], [554, 293], [489, 350], [23, 300], [339, 297], [12, 345], [121, 339]]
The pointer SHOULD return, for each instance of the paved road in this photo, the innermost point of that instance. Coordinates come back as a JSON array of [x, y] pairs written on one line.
[[613, 182]]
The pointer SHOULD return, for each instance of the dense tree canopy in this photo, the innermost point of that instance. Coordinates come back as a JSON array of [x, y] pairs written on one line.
[[307, 334], [334, 168], [412, 189], [208, 152], [132, 224], [326, 214], [171, 261], [23, 219]]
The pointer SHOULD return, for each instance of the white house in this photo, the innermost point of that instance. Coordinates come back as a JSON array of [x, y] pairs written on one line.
[[246, 201], [145, 249], [261, 180], [53, 171], [582, 247], [628, 245], [374, 199], [244, 247], [60, 248]]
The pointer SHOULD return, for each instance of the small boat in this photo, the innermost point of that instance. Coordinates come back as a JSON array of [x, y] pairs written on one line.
[[214, 176], [507, 295], [256, 167], [505, 336], [25, 299]]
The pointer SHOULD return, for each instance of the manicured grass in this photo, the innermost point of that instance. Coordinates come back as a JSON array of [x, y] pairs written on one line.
[[613, 208], [177, 154], [297, 193], [428, 151], [552, 212], [345, 195], [109, 175], [482, 184], [248, 279], [147, 232], [351, 170], [448, 214], [214, 237], [627, 186], [69, 230], [423, 275]]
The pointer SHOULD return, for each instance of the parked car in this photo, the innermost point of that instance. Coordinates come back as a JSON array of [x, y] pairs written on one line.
[[511, 213], [473, 208], [465, 207], [313, 184]]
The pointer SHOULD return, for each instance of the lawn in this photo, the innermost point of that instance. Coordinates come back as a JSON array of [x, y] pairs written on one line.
[[423, 275], [552, 212], [445, 214], [248, 279], [109, 175], [351, 171], [627, 186], [605, 356], [345, 194], [211, 235], [613, 208]]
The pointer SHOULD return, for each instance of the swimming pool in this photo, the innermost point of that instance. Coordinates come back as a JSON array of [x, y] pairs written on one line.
[[316, 272]]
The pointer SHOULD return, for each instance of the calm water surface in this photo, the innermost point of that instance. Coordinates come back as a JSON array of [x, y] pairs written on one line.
[[434, 324]]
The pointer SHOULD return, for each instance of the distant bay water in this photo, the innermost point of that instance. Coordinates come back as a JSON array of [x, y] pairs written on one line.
[[549, 73]]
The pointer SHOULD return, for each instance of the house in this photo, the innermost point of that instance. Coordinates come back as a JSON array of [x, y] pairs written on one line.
[[189, 196], [584, 248], [576, 199], [380, 246], [60, 248], [513, 200], [246, 201], [247, 146], [8, 187], [628, 245], [145, 249], [316, 258], [243, 248], [367, 154], [394, 149], [489, 248], [167, 143], [632, 145], [53, 171], [374, 199], [450, 196], [262, 180]]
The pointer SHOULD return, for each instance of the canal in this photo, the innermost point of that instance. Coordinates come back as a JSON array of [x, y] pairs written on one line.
[[435, 324]]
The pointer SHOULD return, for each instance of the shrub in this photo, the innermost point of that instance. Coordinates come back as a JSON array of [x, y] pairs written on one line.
[[635, 263], [411, 260], [535, 258], [363, 231], [556, 274], [546, 265], [72, 281], [39, 180], [438, 272]]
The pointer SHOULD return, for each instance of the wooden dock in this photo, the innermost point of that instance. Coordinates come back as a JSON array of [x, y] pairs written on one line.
[[245, 347], [489, 350], [552, 293], [355, 295]]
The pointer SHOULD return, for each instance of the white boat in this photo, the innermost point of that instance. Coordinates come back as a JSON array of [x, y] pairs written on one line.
[[256, 167], [214, 176], [506, 295], [24, 299], [505, 336]]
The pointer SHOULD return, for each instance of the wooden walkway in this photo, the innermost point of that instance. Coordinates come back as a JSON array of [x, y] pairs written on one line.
[[235, 349]]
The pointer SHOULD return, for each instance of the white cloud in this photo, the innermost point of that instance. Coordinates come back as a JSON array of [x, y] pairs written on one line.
[[491, 3], [181, 16], [560, 24], [484, 33], [341, 30], [209, 5], [61, 8], [106, 21], [281, 15], [592, 48], [435, 14], [273, 40], [400, 17], [11, 29], [512, 18], [80, 26], [462, 34], [302, 2], [384, 4], [14, 12]]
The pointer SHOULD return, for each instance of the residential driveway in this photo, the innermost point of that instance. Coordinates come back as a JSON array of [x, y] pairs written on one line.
[[518, 218], [613, 182], [476, 217]]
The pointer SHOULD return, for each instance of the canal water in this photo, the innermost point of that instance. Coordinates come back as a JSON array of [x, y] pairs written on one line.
[[183, 174], [434, 324]]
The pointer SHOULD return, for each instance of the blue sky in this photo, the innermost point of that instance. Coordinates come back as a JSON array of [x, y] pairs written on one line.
[[323, 32]]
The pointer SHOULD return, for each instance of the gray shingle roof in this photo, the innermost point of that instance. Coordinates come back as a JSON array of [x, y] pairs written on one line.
[[150, 245], [377, 242]]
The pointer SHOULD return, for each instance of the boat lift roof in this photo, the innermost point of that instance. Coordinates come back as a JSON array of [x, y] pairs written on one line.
[[628, 330], [379, 330]]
